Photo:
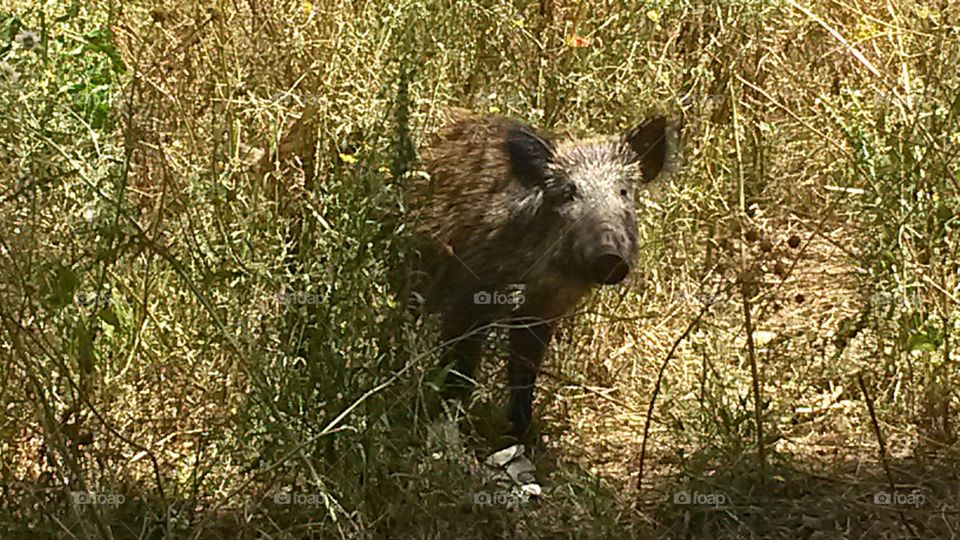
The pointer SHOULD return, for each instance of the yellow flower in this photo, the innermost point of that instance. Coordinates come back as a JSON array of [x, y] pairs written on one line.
[[494, 109], [307, 8], [653, 15], [348, 158], [865, 30]]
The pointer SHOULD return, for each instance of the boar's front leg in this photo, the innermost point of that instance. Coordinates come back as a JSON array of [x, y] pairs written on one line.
[[528, 344], [463, 338]]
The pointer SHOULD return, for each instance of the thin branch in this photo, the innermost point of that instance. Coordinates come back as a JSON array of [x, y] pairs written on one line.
[[882, 448], [656, 389]]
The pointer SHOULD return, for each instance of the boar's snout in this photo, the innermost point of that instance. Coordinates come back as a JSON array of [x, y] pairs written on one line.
[[609, 269], [608, 265]]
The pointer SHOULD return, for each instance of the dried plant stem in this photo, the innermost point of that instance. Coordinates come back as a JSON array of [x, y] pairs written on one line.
[[882, 447], [747, 290], [656, 389], [754, 375]]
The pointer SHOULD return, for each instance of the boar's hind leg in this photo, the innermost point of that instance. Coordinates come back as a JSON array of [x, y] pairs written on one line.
[[463, 341], [528, 344]]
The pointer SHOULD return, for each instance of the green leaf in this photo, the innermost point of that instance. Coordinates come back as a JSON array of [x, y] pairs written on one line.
[[64, 286], [955, 108], [921, 342], [71, 13], [101, 40], [84, 348], [108, 316]]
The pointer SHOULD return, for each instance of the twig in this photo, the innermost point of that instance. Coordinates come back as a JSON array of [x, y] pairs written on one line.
[[882, 447], [853, 50], [656, 389], [746, 287]]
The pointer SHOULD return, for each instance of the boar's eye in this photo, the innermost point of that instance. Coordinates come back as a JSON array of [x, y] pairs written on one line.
[[560, 193], [624, 192]]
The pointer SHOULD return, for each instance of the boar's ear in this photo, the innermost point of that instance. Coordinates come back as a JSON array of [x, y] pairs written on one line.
[[649, 142], [529, 155]]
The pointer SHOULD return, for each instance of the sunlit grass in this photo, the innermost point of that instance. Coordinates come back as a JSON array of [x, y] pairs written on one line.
[[205, 241]]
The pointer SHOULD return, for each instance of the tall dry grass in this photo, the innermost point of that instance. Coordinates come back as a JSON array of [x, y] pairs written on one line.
[[204, 317]]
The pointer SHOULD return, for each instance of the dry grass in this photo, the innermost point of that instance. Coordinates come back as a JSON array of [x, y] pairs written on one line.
[[203, 287]]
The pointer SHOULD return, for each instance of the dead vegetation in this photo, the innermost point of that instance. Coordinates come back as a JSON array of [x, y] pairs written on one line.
[[204, 325]]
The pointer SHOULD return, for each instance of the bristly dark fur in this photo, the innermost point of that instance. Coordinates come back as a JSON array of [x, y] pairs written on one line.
[[505, 209]]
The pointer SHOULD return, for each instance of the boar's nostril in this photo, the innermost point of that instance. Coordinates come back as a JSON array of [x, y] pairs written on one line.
[[609, 269]]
